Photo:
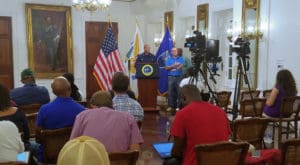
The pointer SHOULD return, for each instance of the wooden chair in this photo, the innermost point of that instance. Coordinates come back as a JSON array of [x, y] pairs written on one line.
[[251, 130], [31, 118], [124, 158], [267, 93], [289, 113], [247, 108], [225, 153], [52, 142], [223, 98], [245, 95], [290, 152], [31, 108]]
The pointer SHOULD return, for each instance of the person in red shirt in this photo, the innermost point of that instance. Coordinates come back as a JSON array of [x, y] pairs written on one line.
[[198, 122]]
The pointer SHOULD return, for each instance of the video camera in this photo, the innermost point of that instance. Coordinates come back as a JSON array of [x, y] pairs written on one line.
[[203, 49], [241, 47]]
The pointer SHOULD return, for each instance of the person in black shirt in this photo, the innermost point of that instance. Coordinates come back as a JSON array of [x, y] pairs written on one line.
[[146, 57], [74, 89]]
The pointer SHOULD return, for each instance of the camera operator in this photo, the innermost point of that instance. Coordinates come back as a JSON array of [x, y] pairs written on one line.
[[174, 66]]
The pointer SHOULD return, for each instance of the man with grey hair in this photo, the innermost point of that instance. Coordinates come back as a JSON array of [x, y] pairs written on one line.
[[117, 130]]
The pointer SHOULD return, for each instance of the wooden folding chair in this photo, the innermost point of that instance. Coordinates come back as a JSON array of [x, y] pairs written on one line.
[[251, 130], [225, 153], [31, 108], [52, 142], [223, 98], [290, 152], [124, 158]]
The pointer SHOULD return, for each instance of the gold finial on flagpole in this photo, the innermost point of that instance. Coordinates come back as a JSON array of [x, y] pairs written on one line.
[[137, 21], [109, 20]]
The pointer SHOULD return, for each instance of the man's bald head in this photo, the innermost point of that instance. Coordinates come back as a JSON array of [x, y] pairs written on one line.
[[61, 87]]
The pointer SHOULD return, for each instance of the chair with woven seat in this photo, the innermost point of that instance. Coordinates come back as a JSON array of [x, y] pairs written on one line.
[[290, 152], [52, 142], [251, 130], [289, 113], [223, 98], [247, 108], [31, 108], [246, 95], [31, 118], [123, 158], [225, 153], [267, 93]]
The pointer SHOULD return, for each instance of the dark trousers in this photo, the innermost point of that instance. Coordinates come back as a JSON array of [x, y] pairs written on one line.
[[173, 91]]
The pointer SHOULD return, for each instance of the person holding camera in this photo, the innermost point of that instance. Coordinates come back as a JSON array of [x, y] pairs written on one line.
[[174, 67]]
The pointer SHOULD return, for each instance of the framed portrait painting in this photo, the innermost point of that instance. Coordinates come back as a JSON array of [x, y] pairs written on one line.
[[49, 39]]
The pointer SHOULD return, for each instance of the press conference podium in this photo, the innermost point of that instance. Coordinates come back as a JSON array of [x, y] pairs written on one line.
[[147, 75]]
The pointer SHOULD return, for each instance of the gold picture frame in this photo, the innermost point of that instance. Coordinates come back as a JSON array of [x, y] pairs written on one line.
[[49, 39]]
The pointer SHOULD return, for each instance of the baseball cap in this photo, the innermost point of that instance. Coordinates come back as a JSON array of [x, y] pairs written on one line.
[[83, 150], [27, 72]]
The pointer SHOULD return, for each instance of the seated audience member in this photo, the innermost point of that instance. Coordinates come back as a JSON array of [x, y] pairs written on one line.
[[121, 101], [129, 92], [198, 122], [75, 94], [7, 112], [30, 93], [117, 130], [83, 150], [62, 111], [10, 142], [285, 86], [59, 113]]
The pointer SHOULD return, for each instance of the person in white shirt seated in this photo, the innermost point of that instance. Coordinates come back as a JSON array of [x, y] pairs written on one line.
[[190, 77], [10, 142]]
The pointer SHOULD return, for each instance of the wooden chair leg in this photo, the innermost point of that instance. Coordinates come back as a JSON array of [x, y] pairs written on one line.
[[279, 134]]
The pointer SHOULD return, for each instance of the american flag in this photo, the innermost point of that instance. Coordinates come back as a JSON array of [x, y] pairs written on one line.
[[108, 61]]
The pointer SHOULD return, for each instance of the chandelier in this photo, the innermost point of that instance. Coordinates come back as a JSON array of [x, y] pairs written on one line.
[[91, 5]]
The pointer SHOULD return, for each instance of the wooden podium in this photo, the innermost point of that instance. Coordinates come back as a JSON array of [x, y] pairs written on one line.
[[147, 75], [148, 93]]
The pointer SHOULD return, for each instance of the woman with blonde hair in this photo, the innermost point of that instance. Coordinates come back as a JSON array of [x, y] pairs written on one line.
[[285, 86], [83, 150]]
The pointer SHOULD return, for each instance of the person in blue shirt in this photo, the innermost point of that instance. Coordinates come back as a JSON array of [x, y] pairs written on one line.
[[30, 93], [59, 113], [174, 67], [145, 57]]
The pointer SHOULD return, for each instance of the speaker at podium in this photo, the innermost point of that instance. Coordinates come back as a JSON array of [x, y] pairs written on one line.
[[147, 75]]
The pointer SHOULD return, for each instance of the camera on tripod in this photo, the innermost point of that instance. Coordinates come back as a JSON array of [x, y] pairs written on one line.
[[241, 47], [203, 49]]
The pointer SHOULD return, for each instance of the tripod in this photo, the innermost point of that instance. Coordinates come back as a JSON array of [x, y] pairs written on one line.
[[195, 76], [237, 89]]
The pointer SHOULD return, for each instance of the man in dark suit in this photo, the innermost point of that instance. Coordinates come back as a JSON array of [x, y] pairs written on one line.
[[145, 57]]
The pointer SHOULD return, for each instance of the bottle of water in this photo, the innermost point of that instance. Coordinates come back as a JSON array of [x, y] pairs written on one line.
[[167, 128], [268, 137]]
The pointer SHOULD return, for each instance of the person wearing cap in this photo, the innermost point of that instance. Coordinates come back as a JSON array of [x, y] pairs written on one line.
[[59, 113], [117, 130], [83, 150], [30, 93]]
